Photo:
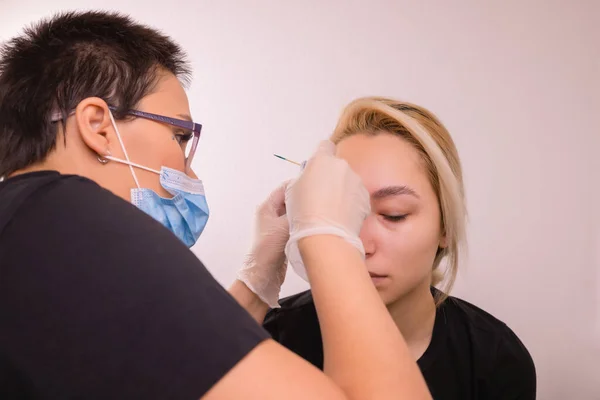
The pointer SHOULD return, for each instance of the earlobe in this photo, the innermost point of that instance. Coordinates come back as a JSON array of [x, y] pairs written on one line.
[[94, 123]]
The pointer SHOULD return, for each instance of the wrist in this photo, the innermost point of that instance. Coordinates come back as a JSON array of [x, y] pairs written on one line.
[[249, 300], [318, 243]]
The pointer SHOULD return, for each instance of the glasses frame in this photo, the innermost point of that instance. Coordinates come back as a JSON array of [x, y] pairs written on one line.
[[196, 128]]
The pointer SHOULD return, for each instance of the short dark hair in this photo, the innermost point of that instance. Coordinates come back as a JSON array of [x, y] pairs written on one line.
[[58, 62]]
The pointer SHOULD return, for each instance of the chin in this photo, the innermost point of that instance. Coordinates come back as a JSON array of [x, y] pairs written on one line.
[[395, 291], [388, 294]]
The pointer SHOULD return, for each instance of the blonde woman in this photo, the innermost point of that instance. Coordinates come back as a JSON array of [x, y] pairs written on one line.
[[412, 240]]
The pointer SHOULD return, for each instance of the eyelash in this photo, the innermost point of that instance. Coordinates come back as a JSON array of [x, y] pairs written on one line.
[[394, 218], [183, 137]]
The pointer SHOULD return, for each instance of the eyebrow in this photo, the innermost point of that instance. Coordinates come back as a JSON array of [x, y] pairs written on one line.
[[185, 116], [394, 191]]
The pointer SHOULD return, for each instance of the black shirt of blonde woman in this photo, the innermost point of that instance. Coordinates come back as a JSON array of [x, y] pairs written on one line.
[[472, 354]]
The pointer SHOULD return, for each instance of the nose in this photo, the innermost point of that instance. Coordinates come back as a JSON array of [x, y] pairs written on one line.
[[367, 235]]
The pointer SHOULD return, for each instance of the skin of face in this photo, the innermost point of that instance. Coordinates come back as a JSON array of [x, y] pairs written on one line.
[[403, 232]]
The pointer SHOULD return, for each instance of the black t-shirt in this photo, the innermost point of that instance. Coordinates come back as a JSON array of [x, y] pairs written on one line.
[[472, 355], [99, 301]]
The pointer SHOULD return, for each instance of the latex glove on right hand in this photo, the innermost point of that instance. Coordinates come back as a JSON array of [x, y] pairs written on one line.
[[327, 199], [265, 266]]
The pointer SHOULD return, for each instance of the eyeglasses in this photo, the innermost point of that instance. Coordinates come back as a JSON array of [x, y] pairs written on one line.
[[189, 138]]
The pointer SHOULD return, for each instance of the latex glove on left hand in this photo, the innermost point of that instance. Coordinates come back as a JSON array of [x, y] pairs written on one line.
[[265, 266]]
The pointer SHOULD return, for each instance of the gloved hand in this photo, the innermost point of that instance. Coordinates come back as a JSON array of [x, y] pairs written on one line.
[[328, 198], [265, 266]]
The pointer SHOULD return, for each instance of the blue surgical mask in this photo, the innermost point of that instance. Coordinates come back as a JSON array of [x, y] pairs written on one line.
[[186, 214]]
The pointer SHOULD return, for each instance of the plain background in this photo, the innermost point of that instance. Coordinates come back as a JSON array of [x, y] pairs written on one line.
[[516, 83]]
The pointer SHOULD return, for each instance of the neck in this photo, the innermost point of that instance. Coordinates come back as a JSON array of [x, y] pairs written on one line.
[[35, 168], [74, 163], [58, 160], [414, 314]]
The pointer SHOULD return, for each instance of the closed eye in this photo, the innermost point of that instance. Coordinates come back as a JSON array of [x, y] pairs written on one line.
[[394, 218]]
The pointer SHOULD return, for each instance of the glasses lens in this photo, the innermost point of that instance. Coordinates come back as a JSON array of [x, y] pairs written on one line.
[[189, 147]]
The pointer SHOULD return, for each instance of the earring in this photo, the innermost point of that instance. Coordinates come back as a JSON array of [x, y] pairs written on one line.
[[102, 159]]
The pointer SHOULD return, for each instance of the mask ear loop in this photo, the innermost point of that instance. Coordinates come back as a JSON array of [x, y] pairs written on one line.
[[112, 119], [131, 164]]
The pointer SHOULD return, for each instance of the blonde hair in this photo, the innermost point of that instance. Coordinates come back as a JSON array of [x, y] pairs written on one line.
[[420, 128]]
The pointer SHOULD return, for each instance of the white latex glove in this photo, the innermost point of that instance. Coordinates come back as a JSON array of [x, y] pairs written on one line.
[[265, 266], [328, 198]]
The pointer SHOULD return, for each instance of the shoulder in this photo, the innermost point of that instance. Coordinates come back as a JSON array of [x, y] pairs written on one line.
[[73, 194], [111, 286], [70, 221], [475, 317], [34, 185], [40, 192], [67, 215], [480, 323], [496, 350], [71, 205]]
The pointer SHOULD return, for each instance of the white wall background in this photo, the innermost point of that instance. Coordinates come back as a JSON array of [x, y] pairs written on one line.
[[516, 82]]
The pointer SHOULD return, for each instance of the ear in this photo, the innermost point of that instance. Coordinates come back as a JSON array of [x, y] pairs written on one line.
[[94, 124]]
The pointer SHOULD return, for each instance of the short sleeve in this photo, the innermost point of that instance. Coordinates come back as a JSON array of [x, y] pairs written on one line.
[[99, 301]]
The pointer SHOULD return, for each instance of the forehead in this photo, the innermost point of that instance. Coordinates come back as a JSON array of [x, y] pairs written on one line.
[[384, 160]]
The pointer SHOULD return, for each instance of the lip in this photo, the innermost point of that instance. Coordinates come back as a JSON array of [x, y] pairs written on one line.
[[377, 279]]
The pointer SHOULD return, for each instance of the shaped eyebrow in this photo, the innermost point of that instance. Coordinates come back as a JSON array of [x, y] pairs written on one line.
[[394, 191]]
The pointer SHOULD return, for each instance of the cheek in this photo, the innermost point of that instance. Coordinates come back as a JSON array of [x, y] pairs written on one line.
[[407, 254], [409, 245], [173, 157], [423, 240], [156, 154], [152, 146], [421, 233]]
